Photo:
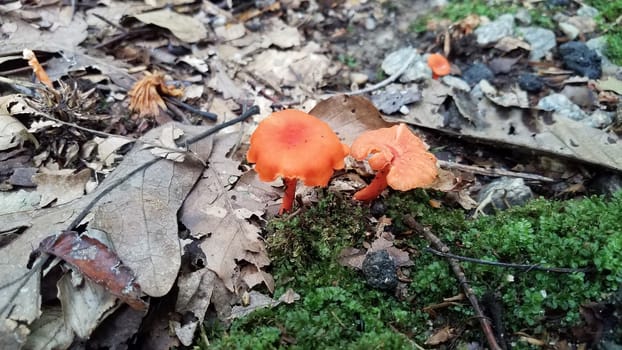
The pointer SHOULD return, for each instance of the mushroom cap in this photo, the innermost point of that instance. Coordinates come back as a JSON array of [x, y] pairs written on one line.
[[411, 164], [294, 144], [439, 64]]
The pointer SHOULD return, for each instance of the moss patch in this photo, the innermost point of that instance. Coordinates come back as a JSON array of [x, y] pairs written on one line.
[[338, 310]]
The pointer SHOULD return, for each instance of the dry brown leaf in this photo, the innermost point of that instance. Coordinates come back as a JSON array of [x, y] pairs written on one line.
[[349, 116], [60, 187], [518, 127], [195, 296], [441, 336], [145, 94], [140, 216], [185, 28], [217, 210], [289, 297]]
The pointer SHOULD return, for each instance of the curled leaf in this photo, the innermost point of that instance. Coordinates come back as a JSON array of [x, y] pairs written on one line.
[[97, 262], [145, 95]]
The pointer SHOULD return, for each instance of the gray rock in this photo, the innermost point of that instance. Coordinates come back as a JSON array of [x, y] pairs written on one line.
[[599, 119], [530, 82], [606, 184], [581, 59], [503, 192], [455, 82], [380, 271], [392, 100], [370, 23], [599, 45], [417, 71], [562, 106], [476, 73], [523, 16], [495, 30], [587, 11], [571, 31], [541, 40]]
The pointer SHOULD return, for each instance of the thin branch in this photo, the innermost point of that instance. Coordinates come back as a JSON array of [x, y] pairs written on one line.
[[525, 267], [455, 266], [192, 109], [381, 84], [492, 172]]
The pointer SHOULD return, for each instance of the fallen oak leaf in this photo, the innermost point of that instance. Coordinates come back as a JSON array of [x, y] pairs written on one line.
[[97, 262]]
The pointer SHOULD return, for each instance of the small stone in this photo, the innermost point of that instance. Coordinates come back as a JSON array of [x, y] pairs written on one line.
[[380, 271], [392, 100], [606, 184], [581, 59], [562, 106], [358, 78], [569, 30], [587, 11], [495, 30], [455, 82], [523, 16], [541, 41], [417, 71], [404, 110], [503, 192], [477, 72], [599, 44], [378, 208], [530, 82], [370, 23], [599, 119], [558, 2]]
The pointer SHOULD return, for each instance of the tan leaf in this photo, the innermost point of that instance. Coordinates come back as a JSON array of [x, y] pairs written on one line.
[[184, 27], [441, 336], [61, 187], [212, 209], [145, 94]]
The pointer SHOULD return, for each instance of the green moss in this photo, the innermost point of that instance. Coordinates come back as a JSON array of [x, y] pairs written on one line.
[[338, 310]]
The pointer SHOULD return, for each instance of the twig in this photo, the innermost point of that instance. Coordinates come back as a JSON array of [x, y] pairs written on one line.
[[525, 267], [381, 84], [84, 212], [492, 172], [435, 241], [208, 115], [124, 30]]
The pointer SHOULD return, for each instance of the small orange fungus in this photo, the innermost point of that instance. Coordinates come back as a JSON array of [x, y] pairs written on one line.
[[439, 65], [296, 146], [400, 158]]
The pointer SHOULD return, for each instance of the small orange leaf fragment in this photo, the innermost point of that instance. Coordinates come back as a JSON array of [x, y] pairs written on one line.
[[37, 68], [145, 95]]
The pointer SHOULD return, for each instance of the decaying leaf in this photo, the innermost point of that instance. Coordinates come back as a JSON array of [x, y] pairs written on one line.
[[97, 262], [49, 331], [525, 128], [214, 209], [257, 301], [12, 132], [139, 217], [167, 139], [61, 187], [185, 28], [441, 336], [349, 116], [145, 94], [195, 296]]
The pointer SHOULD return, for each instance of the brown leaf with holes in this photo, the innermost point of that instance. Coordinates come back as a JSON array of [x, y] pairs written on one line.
[[97, 262], [220, 208], [145, 95]]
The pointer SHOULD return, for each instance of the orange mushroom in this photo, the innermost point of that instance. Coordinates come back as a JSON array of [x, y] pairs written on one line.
[[400, 158], [439, 65], [296, 146]]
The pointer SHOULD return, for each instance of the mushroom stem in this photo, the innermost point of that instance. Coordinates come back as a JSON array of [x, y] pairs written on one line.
[[288, 197], [375, 187]]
